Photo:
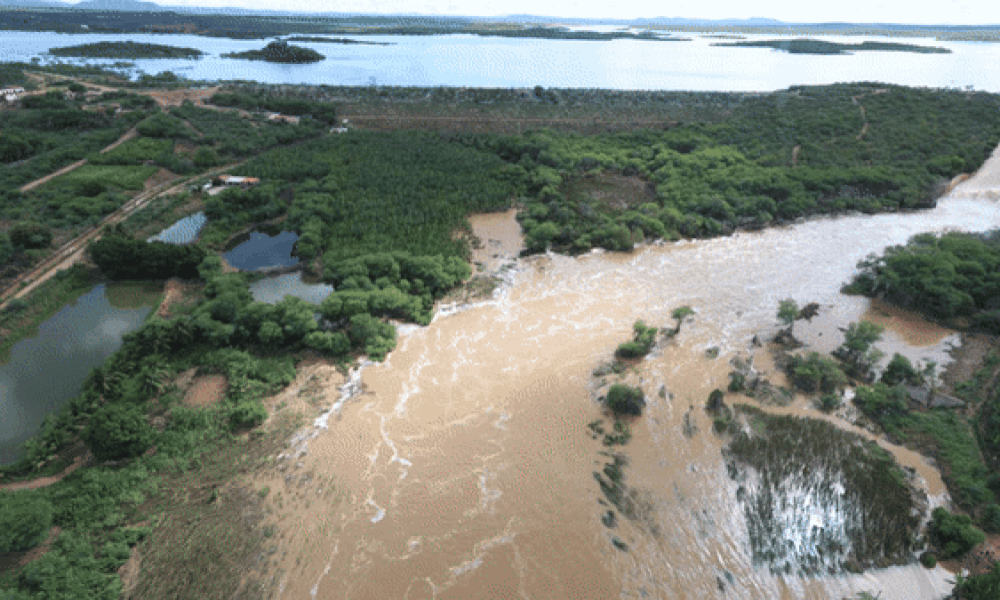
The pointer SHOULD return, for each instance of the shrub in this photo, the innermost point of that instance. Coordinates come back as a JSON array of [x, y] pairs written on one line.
[[829, 402], [30, 235], [900, 370], [247, 414], [979, 587], [625, 400], [118, 431], [953, 534], [25, 520], [641, 344], [928, 560]]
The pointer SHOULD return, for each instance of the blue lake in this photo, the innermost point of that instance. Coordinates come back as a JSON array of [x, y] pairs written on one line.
[[467, 60]]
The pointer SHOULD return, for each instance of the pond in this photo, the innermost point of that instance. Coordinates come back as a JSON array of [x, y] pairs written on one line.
[[262, 248], [273, 289], [48, 369], [183, 231]]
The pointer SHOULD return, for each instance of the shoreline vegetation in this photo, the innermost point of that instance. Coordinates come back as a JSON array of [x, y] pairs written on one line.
[[279, 52], [376, 214], [129, 50], [809, 46]]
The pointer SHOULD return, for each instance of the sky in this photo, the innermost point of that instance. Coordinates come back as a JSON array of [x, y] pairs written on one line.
[[950, 12]]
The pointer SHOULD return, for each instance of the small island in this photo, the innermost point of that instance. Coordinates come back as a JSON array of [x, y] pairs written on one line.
[[326, 40], [279, 51], [810, 46], [130, 50]]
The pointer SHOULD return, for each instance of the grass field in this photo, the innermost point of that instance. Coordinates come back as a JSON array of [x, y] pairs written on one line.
[[125, 178]]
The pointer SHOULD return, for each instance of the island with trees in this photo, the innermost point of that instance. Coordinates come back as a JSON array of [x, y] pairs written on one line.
[[279, 51], [328, 40], [129, 50], [811, 46]]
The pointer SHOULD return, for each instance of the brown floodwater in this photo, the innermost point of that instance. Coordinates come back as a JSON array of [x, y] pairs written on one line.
[[461, 467]]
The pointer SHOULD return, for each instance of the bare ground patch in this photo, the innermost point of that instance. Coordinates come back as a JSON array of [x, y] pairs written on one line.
[[968, 358], [207, 390]]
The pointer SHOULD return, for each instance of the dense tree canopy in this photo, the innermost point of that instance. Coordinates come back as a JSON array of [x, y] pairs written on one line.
[[951, 275]]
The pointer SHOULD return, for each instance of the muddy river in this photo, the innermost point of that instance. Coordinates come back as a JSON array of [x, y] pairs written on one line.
[[462, 466]]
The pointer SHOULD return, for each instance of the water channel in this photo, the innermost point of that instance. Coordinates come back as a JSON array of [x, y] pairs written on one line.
[[463, 467], [47, 369]]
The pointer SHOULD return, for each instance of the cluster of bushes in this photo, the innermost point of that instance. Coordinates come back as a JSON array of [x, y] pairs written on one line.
[[321, 111], [624, 400], [121, 256], [641, 344], [947, 276], [816, 373], [127, 100], [394, 284], [952, 534], [163, 125]]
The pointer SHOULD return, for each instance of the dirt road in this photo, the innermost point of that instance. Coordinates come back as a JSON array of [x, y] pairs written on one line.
[[73, 251], [131, 133]]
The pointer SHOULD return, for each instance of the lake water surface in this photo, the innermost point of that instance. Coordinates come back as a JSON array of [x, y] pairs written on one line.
[[468, 60]]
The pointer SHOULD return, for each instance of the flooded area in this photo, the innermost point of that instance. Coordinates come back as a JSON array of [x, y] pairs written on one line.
[[46, 370], [462, 466]]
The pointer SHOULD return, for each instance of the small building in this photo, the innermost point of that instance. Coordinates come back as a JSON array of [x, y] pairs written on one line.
[[234, 180], [10, 94], [338, 130]]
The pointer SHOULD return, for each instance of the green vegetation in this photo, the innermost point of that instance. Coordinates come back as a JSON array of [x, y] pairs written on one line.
[[978, 587], [134, 152], [641, 344], [127, 100], [123, 178], [130, 50], [280, 52], [625, 400], [816, 373], [784, 453], [163, 125], [953, 535], [808, 46], [121, 256], [857, 352], [711, 179], [947, 276], [788, 312], [24, 521], [118, 431], [321, 111]]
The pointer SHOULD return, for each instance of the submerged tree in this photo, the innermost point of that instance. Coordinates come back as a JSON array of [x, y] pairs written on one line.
[[679, 315]]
